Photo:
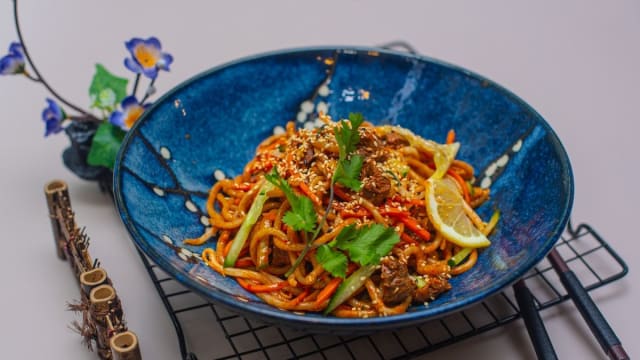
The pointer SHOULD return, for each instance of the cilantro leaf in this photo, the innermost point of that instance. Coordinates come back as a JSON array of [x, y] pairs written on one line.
[[348, 172], [347, 134], [368, 244], [302, 215], [331, 260], [349, 165]]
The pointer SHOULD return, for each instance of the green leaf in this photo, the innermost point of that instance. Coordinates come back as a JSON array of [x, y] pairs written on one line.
[[349, 286], [348, 172], [368, 244], [302, 215], [106, 89], [105, 145], [347, 135], [331, 260]]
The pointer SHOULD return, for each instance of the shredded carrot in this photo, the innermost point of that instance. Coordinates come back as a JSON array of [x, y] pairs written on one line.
[[328, 290], [341, 194], [413, 225], [298, 299], [418, 202], [393, 211], [451, 136], [408, 239], [244, 263], [360, 213], [260, 288], [462, 183], [305, 189]]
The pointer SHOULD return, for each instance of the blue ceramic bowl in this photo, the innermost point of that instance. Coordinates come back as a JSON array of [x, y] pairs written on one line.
[[209, 126]]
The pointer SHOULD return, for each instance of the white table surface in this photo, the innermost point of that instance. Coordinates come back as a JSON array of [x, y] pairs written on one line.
[[576, 62]]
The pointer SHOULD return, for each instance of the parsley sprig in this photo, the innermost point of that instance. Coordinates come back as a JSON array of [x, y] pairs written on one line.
[[302, 216], [347, 173], [365, 245], [349, 164]]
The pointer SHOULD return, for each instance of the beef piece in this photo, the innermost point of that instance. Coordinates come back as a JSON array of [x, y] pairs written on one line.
[[395, 282], [376, 189], [308, 156], [435, 286], [368, 139], [369, 143], [369, 168], [396, 140]]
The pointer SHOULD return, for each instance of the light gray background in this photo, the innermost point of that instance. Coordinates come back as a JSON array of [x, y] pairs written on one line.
[[576, 62]]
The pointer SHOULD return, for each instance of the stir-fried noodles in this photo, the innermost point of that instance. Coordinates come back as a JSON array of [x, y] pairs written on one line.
[[336, 219]]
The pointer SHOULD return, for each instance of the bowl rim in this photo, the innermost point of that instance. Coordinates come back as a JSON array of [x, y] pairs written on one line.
[[275, 315]]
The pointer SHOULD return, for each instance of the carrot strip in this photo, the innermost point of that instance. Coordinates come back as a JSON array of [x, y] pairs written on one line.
[[393, 211], [462, 183], [260, 288], [328, 290], [408, 239], [298, 299], [305, 189], [418, 202], [244, 263], [341, 194], [451, 136], [413, 225], [360, 213]]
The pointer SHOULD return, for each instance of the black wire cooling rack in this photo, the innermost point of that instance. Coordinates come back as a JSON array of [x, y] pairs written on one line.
[[231, 336]]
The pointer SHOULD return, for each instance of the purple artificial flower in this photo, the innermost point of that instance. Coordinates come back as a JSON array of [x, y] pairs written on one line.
[[131, 111], [53, 116], [13, 62], [147, 57]]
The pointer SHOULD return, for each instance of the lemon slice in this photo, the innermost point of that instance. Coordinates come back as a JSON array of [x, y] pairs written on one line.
[[445, 207]]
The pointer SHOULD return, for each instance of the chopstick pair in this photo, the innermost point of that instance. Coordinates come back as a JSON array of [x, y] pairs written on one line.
[[587, 308]]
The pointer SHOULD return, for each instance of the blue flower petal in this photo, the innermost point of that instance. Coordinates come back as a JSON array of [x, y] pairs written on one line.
[[131, 44], [165, 61], [52, 127], [53, 116], [16, 49], [151, 73], [128, 102], [132, 65], [11, 64], [117, 118], [153, 42]]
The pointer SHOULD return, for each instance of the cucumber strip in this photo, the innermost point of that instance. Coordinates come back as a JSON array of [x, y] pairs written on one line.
[[246, 226], [459, 256], [349, 286]]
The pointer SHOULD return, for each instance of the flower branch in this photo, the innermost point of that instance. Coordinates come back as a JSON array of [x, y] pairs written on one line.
[[38, 77], [95, 139]]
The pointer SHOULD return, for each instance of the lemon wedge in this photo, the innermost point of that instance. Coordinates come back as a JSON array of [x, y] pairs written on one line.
[[446, 210]]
